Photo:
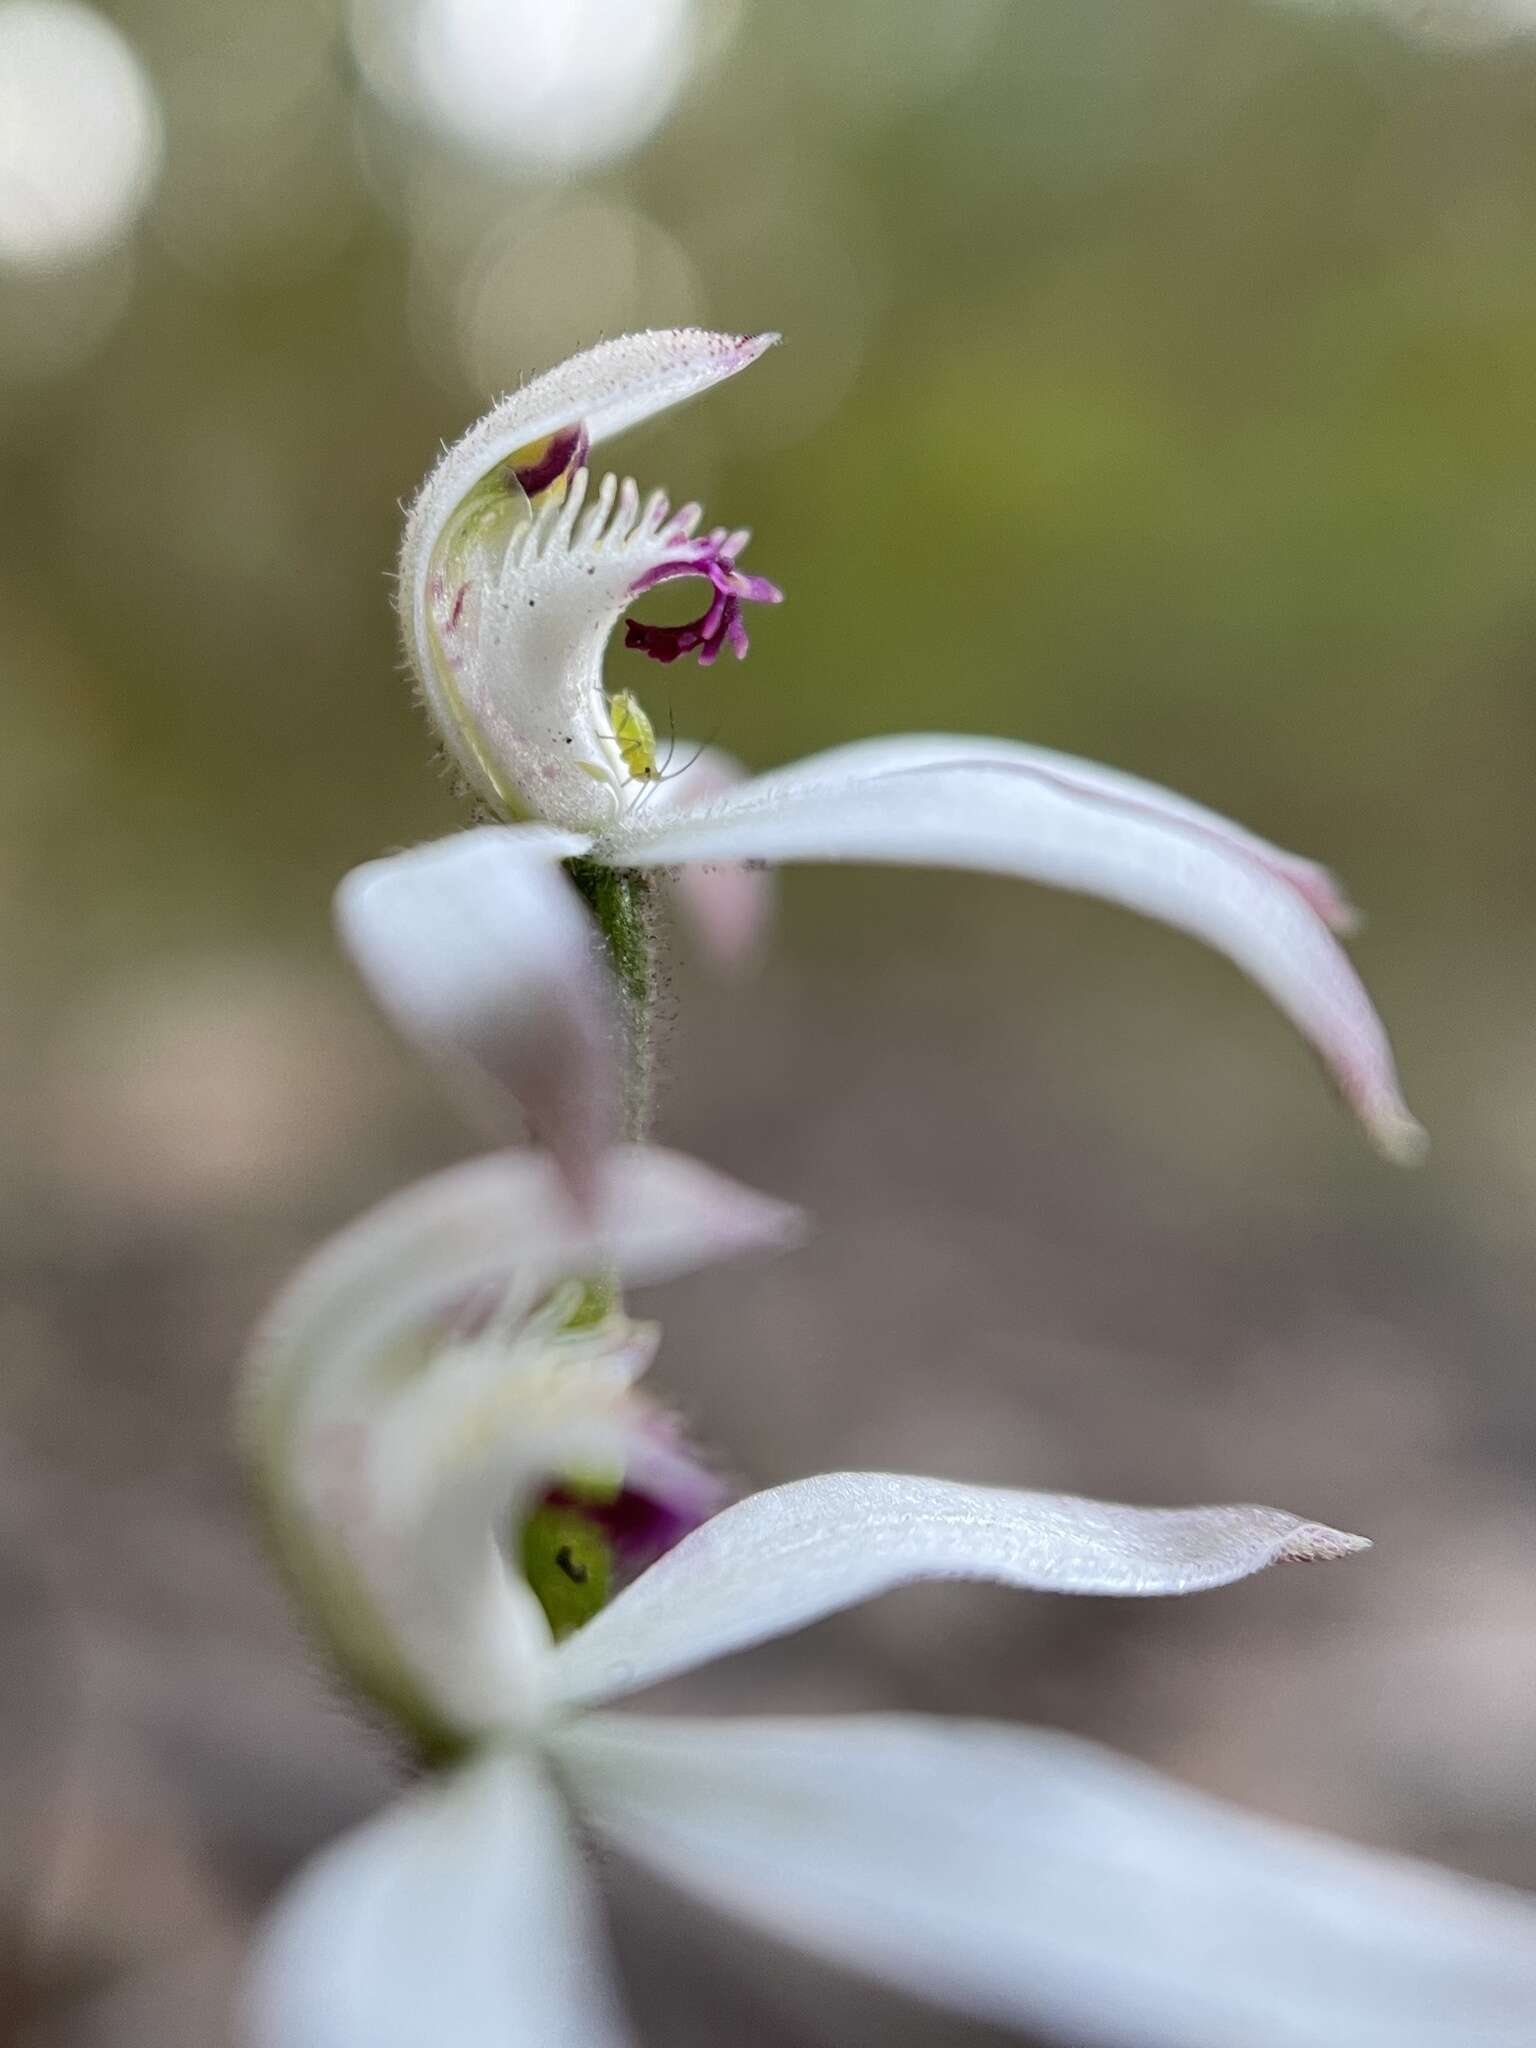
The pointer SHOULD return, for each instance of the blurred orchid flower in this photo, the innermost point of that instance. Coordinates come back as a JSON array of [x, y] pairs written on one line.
[[501, 1535], [514, 572]]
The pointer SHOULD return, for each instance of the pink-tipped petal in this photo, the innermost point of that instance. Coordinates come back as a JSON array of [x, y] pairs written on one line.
[[891, 751], [979, 805]]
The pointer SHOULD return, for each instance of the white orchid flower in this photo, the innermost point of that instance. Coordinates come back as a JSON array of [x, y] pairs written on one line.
[[501, 1536], [516, 567]]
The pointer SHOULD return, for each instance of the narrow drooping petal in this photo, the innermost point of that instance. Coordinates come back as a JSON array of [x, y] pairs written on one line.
[[481, 953], [1003, 817], [781, 1559], [728, 905], [514, 572], [863, 758], [1035, 1880], [417, 1372], [461, 1917]]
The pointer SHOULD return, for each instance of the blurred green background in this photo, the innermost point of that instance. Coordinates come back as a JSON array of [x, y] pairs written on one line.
[[1159, 384]]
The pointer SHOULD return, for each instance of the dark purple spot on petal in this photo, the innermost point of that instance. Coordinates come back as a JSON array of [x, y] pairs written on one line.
[[564, 452]]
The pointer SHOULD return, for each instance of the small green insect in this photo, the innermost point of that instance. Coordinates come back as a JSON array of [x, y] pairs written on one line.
[[634, 735]]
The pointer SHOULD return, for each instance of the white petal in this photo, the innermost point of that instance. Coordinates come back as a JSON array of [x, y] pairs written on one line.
[[781, 1559], [482, 954], [727, 904], [1032, 1879], [461, 1917], [863, 758], [1004, 816]]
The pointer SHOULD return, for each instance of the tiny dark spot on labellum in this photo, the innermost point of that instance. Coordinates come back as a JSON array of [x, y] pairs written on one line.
[[567, 1561]]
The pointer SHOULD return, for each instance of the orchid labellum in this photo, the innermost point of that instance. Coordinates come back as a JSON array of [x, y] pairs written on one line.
[[501, 1536], [519, 561]]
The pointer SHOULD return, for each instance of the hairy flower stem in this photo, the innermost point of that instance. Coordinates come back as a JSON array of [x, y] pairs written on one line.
[[623, 903]]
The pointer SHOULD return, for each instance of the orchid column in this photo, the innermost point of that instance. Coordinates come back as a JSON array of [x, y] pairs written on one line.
[[517, 566]]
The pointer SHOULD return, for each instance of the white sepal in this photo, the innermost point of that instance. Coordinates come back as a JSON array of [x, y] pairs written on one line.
[[1002, 816], [1037, 1881], [461, 1917], [781, 1559], [479, 950], [907, 750]]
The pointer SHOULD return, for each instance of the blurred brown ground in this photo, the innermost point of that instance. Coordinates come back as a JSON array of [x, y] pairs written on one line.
[[1161, 390]]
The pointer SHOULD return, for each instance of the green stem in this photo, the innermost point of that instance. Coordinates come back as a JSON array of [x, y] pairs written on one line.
[[623, 905]]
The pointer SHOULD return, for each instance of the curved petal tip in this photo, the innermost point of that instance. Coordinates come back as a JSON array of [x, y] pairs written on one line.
[[1316, 1543], [993, 806], [665, 1214], [1327, 895], [1399, 1137]]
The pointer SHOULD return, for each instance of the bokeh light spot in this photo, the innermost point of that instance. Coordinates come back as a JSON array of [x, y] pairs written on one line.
[[80, 133], [546, 283], [526, 85], [1452, 24]]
